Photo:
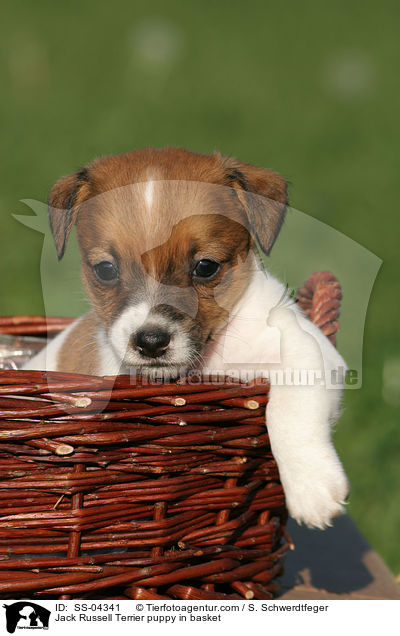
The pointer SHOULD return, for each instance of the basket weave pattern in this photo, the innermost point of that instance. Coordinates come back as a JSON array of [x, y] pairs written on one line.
[[144, 491]]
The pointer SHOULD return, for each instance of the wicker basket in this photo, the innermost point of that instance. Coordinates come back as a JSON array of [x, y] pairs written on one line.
[[151, 491]]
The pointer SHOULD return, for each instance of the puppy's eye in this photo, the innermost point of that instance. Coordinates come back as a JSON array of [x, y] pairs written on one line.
[[106, 272], [206, 268]]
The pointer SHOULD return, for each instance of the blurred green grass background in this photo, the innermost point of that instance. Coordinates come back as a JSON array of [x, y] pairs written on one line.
[[310, 89]]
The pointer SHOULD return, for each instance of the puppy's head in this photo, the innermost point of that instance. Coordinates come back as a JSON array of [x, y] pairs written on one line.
[[165, 238]]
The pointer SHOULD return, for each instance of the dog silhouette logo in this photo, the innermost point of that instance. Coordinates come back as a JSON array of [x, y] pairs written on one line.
[[26, 615]]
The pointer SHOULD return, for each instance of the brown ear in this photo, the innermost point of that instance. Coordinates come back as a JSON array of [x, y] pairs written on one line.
[[64, 199], [266, 211]]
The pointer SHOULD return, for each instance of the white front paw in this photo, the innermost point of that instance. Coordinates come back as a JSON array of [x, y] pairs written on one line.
[[316, 487]]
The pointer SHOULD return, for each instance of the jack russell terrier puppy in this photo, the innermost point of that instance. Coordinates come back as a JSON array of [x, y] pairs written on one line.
[[167, 241]]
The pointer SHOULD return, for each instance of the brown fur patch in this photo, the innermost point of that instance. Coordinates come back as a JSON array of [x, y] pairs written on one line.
[[265, 212], [204, 236], [79, 352]]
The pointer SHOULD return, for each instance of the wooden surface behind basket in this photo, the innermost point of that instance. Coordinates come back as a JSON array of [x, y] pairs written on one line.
[[116, 488]]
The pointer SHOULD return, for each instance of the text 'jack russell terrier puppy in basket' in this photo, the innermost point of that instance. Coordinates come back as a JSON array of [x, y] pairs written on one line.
[[167, 242]]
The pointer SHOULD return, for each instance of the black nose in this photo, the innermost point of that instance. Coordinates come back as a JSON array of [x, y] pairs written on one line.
[[152, 342]]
